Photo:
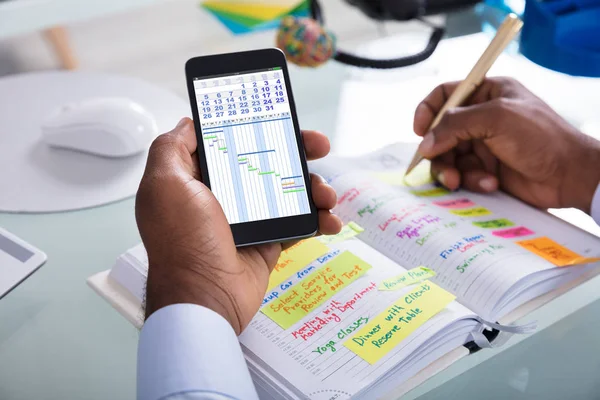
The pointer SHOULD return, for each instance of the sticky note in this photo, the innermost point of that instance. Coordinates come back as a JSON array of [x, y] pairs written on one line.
[[384, 332], [348, 231], [295, 258], [395, 178], [304, 297], [435, 192], [472, 212], [419, 176], [554, 252], [458, 203], [494, 223], [511, 233], [408, 278]]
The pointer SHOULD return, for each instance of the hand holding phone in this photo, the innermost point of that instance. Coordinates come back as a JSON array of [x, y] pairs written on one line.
[[250, 147]]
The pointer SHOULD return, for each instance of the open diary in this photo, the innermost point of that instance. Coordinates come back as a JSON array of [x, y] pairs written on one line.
[[416, 273]]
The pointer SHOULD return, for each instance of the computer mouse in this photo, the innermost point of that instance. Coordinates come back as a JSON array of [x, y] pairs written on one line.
[[108, 127]]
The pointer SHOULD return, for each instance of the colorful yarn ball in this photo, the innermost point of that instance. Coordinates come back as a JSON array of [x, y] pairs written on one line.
[[305, 42]]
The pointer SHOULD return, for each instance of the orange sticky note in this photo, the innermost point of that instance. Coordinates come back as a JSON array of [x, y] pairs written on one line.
[[554, 252]]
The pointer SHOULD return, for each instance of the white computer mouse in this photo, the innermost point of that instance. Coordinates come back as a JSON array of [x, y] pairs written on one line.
[[108, 126]]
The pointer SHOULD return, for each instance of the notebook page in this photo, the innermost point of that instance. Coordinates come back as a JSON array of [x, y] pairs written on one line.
[[447, 232], [311, 355]]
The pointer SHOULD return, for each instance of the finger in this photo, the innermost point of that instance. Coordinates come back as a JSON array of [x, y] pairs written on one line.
[[430, 106], [174, 149], [196, 172], [479, 181], [316, 144], [323, 195], [488, 160], [329, 224], [458, 125], [445, 173], [474, 176], [186, 134]]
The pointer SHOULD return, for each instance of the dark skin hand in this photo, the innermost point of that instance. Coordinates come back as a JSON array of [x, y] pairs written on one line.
[[507, 138], [192, 256]]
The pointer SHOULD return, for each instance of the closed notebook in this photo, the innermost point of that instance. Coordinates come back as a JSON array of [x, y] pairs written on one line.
[[417, 274]]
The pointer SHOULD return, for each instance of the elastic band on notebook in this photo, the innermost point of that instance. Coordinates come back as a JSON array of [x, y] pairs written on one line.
[[525, 329]]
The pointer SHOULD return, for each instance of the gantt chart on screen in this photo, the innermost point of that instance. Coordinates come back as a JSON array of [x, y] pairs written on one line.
[[250, 146]]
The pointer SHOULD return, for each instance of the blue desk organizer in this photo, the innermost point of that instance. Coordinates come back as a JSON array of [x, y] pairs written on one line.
[[563, 35]]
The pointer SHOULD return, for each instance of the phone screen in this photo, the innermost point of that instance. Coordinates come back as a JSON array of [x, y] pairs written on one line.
[[250, 145]]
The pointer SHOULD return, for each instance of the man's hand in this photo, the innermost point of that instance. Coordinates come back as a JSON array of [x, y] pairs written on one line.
[[506, 137], [190, 248]]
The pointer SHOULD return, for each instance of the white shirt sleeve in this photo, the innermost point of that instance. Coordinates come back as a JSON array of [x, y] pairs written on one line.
[[190, 352], [596, 206]]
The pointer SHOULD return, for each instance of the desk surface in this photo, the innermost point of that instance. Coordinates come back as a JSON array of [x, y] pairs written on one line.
[[58, 340]]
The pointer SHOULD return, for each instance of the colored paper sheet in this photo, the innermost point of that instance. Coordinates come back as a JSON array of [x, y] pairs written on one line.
[[254, 10], [391, 178], [408, 278], [435, 192], [384, 332], [458, 203], [295, 258], [419, 176], [241, 16], [512, 233], [304, 297], [472, 212], [348, 231], [494, 223], [554, 252]]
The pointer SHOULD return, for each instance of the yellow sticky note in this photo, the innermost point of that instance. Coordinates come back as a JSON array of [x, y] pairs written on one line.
[[295, 258], [408, 278], [419, 176], [348, 231], [472, 212], [435, 192], [393, 178], [397, 322], [308, 294], [554, 252]]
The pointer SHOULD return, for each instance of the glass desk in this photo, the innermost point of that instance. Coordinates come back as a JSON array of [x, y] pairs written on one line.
[[59, 340]]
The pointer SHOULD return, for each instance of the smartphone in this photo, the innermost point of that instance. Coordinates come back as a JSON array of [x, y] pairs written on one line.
[[250, 147]]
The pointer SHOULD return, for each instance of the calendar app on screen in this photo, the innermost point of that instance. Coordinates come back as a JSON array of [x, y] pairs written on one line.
[[250, 145]]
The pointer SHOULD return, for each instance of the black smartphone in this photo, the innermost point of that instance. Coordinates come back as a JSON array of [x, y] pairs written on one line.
[[250, 147]]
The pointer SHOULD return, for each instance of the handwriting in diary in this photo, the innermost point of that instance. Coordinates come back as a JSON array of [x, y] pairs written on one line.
[[472, 212], [435, 192], [554, 252], [408, 278], [494, 223], [458, 203], [511, 233], [295, 258], [397, 322], [318, 287]]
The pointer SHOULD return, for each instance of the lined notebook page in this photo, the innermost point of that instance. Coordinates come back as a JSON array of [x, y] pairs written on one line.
[[470, 240], [311, 355]]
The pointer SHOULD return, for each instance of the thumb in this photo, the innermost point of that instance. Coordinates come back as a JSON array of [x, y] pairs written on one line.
[[457, 125], [174, 149]]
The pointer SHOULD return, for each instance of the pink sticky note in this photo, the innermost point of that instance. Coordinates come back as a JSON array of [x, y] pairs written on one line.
[[513, 232], [457, 203]]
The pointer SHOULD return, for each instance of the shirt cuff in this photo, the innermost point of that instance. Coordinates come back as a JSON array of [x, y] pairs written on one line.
[[189, 348], [596, 205]]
